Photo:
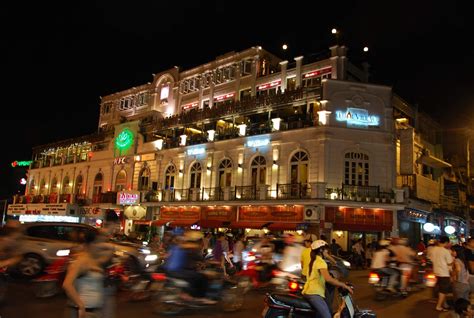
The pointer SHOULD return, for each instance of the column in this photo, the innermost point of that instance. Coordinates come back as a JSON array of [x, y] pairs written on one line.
[[283, 66], [254, 75], [211, 91], [299, 61], [237, 81]]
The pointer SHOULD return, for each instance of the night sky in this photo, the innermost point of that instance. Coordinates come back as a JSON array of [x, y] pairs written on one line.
[[59, 58]]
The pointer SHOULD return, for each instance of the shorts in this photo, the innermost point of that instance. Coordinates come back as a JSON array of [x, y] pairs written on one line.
[[444, 284]]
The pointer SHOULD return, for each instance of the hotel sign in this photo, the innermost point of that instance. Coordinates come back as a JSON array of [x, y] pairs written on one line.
[[128, 197], [260, 142], [196, 151], [357, 117]]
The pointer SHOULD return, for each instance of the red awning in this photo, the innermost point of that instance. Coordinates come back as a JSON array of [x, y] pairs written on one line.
[[247, 225], [147, 222], [183, 223], [283, 226], [159, 222], [213, 223]]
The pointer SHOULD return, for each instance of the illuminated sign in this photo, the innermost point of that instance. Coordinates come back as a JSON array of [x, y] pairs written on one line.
[[269, 85], [21, 163], [318, 72], [357, 117], [128, 197], [196, 151], [189, 106], [124, 140], [258, 142], [120, 161], [222, 97], [23, 181]]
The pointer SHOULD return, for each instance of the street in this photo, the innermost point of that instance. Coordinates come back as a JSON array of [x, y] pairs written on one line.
[[22, 303]]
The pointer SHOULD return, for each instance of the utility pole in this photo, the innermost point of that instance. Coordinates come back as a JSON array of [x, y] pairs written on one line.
[[468, 172]]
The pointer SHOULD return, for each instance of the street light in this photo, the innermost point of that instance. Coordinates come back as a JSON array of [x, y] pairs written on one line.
[[284, 47], [336, 32], [366, 49]]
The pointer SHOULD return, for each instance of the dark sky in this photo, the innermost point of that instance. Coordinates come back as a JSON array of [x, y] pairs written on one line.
[[59, 58]]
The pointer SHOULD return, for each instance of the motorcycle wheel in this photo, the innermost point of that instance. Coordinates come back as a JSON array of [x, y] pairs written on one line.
[[164, 303], [45, 289], [232, 299]]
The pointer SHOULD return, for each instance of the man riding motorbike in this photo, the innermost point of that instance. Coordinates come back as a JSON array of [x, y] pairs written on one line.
[[380, 262], [405, 257]]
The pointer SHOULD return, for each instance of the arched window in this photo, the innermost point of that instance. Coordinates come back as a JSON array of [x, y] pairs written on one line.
[[54, 185], [299, 168], [196, 172], [78, 186], [42, 187], [121, 181], [356, 168], [98, 183], [144, 179], [66, 187], [170, 176], [259, 171], [32, 187], [225, 173]]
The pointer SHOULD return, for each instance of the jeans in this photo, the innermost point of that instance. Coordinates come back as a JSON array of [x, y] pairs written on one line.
[[393, 275], [320, 305], [461, 290]]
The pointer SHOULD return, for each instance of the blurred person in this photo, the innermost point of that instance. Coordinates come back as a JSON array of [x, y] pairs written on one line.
[[469, 253], [305, 258], [420, 247], [461, 286], [380, 262], [237, 252], [11, 240], [404, 256], [358, 251], [335, 248], [318, 275], [291, 254], [442, 262], [431, 243], [463, 309], [206, 242], [369, 254], [221, 252]]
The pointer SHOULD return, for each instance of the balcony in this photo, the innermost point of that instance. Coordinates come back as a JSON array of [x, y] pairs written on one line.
[[421, 187], [108, 197]]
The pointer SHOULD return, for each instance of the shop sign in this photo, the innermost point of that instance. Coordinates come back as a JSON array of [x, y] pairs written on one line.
[[135, 212], [358, 216], [92, 212], [271, 213], [39, 208], [128, 197], [174, 213], [258, 142], [196, 151], [148, 157], [220, 213], [120, 161], [357, 117], [413, 215]]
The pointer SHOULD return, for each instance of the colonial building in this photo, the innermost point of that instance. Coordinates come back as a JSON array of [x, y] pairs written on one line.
[[245, 141]]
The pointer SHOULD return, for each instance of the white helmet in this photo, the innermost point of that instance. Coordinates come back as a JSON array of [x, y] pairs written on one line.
[[317, 244], [384, 242]]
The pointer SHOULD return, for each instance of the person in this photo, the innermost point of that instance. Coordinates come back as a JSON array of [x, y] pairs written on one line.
[[404, 256], [442, 261], [221, 252], [335, 248], [420, 247], [358, 251], [84, 283], [369, 253], [11, 239], [237, 252], [463, 309], [469, 252], [206, 243], [318, 276], [461, 287], [305, 258], [291, 259], [380, 262]]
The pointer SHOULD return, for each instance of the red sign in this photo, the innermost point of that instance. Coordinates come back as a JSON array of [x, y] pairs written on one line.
[[365, 219], [120, 161], [180, 212], [318, 72], [280, 213], [220, 213]]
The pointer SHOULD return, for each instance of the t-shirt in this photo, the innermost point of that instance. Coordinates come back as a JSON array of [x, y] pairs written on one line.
[[441, 257], [305, 259], [291, 258], [379, 260], [315, 283]]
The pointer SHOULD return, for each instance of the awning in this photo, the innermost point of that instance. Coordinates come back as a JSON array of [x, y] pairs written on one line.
[[160, 222], [434, 162], [362, 227], [146, 222], [214, 223], [282, 226], [249, 225], [184, 223]]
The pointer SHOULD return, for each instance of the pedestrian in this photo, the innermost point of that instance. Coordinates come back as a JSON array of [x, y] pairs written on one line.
[[461, 287], [469, 252], [463, 309], [442, 262], [305, 258], [237, 252], [335, 248]]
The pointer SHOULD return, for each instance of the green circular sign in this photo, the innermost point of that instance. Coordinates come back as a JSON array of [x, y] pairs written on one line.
[[124, 140]]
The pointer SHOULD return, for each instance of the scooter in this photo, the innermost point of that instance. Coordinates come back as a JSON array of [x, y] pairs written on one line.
[[294, 305]]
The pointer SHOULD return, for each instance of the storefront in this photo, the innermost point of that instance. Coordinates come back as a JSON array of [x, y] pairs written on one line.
[[410, 224], [39, 212], [352, 224], [92, 215], [179, 216]]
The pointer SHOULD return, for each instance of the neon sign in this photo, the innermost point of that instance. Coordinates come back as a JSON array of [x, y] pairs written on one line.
[[120, 161], [196, 151], [124, 140], [357, 117], [17, 163], [258, 142], [128, 197]]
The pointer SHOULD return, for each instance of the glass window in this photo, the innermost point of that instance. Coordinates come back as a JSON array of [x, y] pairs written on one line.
[[144, 179], [66, 187], [42, 187], [32, 187], [196, 172], [356, 169], [165, 91], [121, 181], [259, 171], [47, 232], [54, 185], [225, 173], [170, 176], [299, 167], [98, 181], [78, 185]]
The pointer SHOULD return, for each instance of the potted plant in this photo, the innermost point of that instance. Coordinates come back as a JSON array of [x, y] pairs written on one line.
[[377, 199]]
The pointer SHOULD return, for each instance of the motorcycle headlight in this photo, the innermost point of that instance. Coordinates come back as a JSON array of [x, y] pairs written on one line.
[[151, 258], [346, 263], [209, 250], [63, 252], [145, 251]]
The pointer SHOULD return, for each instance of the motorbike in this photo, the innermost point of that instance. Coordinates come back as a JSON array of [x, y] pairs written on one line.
[[168, 301], [294, 305], [49, 284]]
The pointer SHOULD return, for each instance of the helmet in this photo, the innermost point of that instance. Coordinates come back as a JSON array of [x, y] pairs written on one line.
[[192, 236], [384, 242], [317, 244]]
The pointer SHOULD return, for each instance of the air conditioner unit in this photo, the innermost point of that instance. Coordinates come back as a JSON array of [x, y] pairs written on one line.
[[313, 213]]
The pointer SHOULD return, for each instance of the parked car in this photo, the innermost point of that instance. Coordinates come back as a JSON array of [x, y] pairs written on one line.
[[44, 242]]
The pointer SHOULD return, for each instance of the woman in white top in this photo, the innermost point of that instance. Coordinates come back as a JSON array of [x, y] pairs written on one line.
[[461, 287]]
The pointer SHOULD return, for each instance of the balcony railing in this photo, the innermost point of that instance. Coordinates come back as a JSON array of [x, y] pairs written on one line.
[[293, 191], [358, 192]]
